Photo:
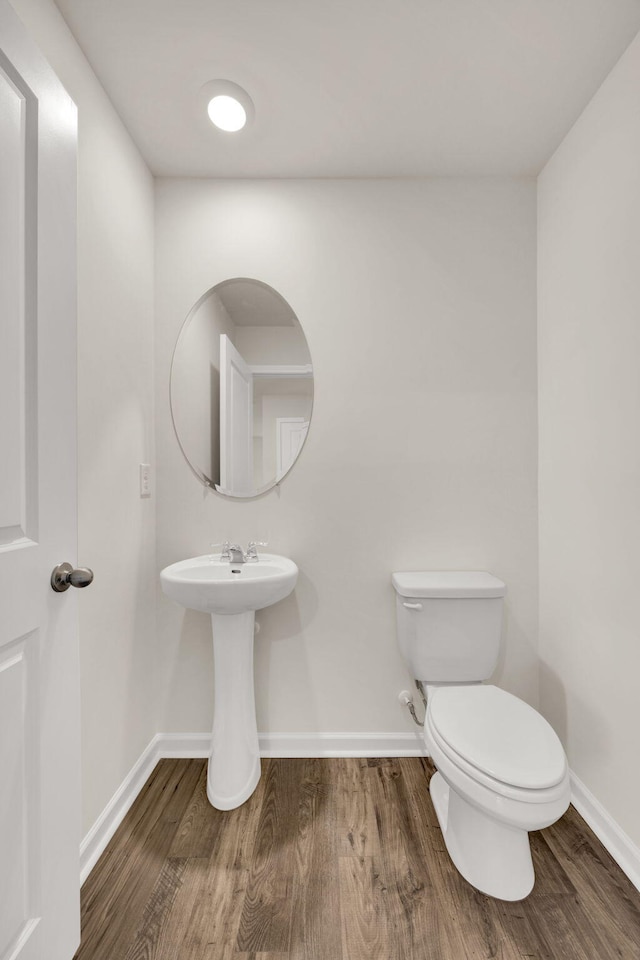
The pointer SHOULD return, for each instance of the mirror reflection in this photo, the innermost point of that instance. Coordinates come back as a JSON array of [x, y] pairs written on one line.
[[241, 388]]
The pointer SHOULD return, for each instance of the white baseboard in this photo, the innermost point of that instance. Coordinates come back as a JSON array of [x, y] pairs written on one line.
[[342, 745], [271, 745], [304, 744], [609, 833]]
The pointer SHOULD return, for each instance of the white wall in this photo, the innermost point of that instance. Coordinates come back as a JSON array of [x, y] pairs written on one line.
[[418, 302], [589, 355], [115, 402]]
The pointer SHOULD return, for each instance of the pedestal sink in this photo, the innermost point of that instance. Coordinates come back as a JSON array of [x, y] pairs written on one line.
[[231, 593]]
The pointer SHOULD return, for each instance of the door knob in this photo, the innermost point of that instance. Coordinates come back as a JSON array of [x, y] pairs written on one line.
[[65, 576]]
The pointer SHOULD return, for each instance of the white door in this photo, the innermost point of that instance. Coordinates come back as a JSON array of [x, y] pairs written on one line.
[[39, 699], [236, 422], [291, 432]]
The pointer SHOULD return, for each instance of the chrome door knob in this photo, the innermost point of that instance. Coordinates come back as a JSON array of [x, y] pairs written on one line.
[[65, 576]]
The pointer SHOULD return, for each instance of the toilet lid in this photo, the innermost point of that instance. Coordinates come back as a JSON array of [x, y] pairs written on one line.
[[498, 734]]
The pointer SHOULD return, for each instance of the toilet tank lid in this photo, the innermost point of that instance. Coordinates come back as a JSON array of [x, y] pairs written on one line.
[[448, 584]]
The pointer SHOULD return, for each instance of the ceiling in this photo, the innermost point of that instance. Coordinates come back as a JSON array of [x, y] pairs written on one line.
[[354, 88], [251, 303]]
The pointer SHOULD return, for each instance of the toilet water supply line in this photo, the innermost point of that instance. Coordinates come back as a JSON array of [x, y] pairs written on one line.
[[406, 699]]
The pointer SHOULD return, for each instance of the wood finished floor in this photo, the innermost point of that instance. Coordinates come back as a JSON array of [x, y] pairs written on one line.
[[336, 860]]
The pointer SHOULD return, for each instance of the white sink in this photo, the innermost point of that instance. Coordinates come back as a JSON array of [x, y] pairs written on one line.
[[231, 593], [217, 586]]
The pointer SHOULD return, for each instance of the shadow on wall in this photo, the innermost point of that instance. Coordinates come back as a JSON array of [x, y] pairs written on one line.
[[515, 636], [553, 701], [192, 667], [587, 734], [281, 651]]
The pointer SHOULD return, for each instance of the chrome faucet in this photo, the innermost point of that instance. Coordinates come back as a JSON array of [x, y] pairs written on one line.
[[236, 553], [233, 552]]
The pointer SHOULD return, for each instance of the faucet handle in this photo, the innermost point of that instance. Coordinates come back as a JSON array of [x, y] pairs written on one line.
[[226, 548], [252, 549]]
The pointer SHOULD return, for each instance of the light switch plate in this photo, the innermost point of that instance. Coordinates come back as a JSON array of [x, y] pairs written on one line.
[[145, 479]]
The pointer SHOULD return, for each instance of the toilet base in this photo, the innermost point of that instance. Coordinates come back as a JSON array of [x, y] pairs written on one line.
[[492, 856]]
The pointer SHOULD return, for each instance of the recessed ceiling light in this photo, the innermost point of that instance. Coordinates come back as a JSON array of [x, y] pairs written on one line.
[[227, 113], [229, 107]]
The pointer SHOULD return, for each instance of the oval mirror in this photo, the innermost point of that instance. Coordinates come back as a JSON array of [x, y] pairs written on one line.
[[241, 388]]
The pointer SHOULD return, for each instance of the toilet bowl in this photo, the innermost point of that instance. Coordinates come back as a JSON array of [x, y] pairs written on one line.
[[501, 773], [501, 769]]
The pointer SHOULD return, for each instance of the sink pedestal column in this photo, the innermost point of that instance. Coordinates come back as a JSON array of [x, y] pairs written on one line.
[[234, 763]]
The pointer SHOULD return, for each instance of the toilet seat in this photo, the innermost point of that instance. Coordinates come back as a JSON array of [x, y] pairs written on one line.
[[498, 740]]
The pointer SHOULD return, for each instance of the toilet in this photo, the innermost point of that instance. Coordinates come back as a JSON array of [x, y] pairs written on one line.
[[501, 769]]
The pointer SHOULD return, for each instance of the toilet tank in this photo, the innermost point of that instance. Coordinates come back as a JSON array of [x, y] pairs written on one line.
[[449, 624]]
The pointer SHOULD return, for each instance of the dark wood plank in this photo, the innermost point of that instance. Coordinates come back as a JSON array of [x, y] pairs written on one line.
[[200, 825], [157, 910], [315, 920], [411, 897], [364, 927], [356, 827], [206, 918], [265, 924]]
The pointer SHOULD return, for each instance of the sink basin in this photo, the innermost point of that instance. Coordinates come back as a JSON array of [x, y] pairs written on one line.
[[231, 593], [214, 586]]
